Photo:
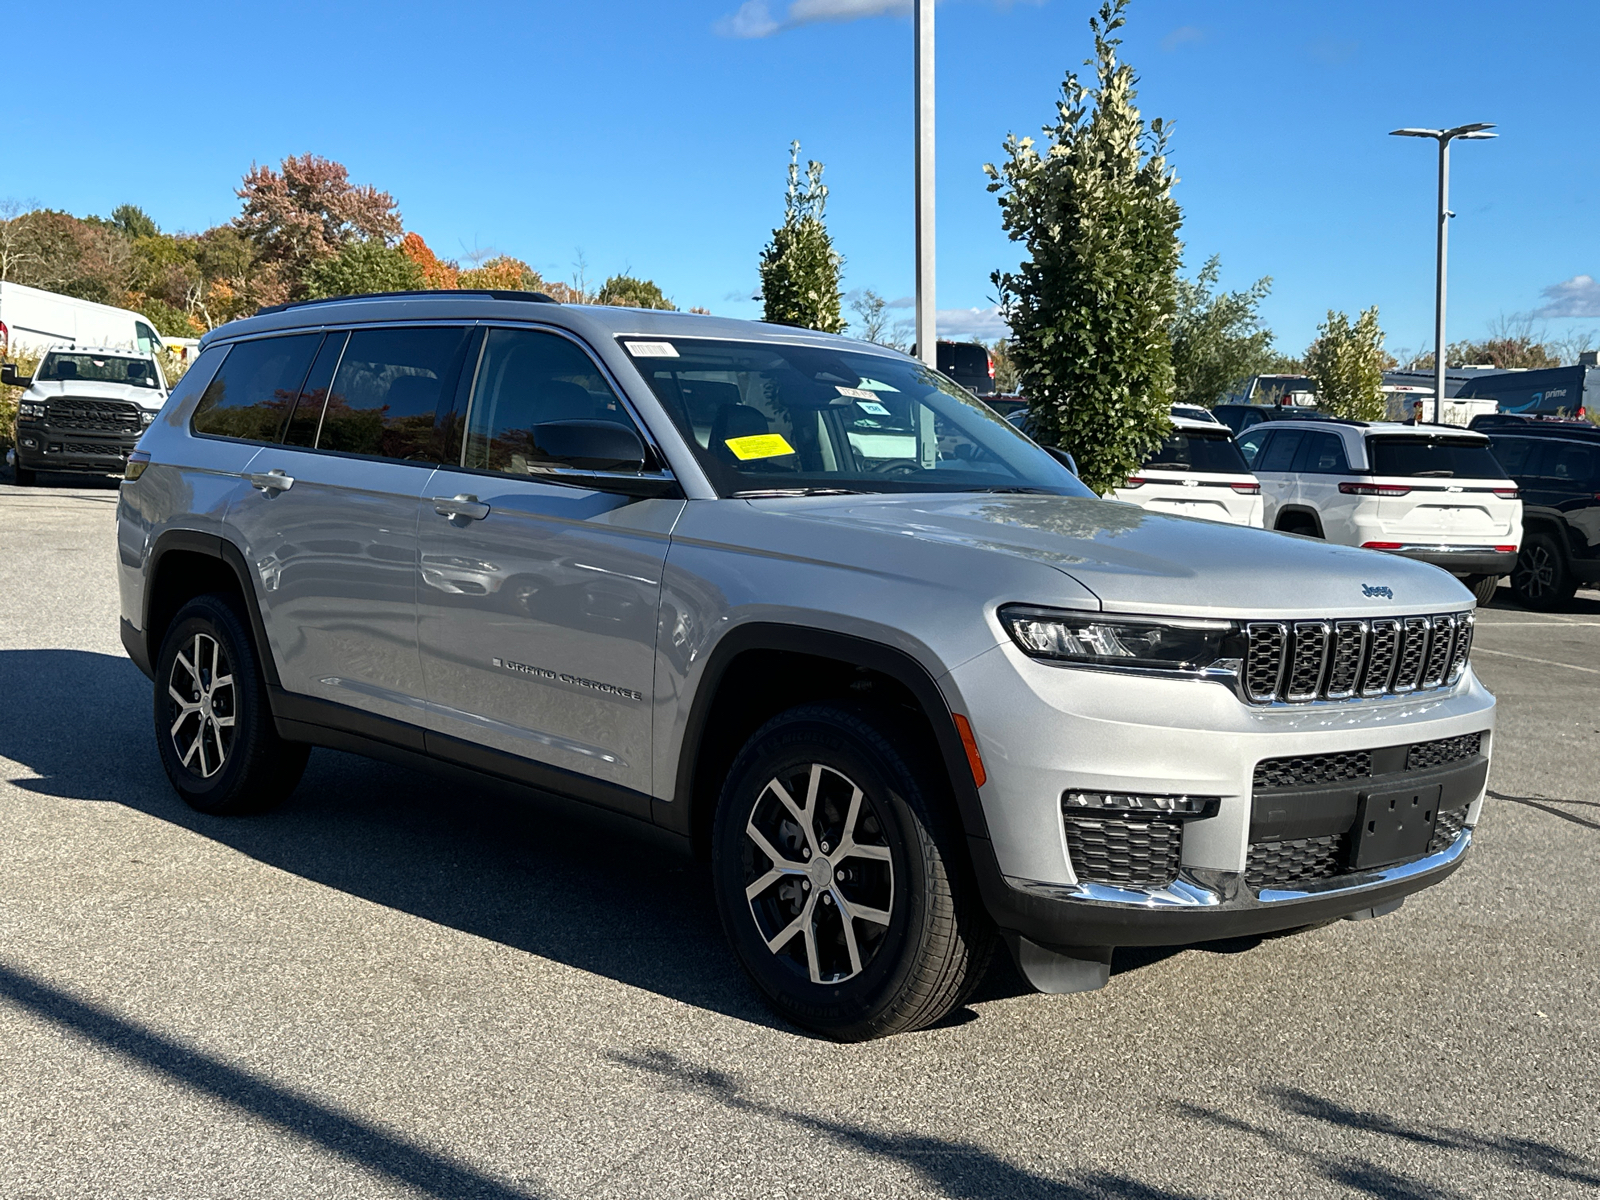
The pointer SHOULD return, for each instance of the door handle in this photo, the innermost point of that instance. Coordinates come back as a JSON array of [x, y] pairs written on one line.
[[271, 481], [460, 505]]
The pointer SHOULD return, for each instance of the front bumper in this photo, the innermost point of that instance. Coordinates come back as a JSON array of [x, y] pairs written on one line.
[[1461, 560], [44, 448]]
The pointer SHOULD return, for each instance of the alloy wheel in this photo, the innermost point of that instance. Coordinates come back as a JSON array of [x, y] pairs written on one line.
[[204, 704], [818, 875], [1535, 572]]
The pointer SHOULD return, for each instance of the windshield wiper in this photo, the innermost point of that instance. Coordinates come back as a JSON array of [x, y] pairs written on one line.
[[768, 493], [1439, 474], [1019, 491]]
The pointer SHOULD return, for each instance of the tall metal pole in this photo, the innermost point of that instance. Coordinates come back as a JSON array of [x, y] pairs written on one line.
[[1438, 300], [927, 335]]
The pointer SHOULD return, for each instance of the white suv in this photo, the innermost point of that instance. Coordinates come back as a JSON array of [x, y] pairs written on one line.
[[1430, 492], [1197, 472]]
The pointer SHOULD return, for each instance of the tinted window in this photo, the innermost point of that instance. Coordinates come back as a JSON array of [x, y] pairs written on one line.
[[1250, 442], [763, 416], [1444, 458], [1278, 454], [1514, 454], [1186, 450], [307, 416], [1324, 455], [253, 392], [1573, 464], [525, 379], [385, 396]]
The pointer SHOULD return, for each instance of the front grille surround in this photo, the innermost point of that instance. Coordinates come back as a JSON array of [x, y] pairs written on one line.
[[1307, 661]]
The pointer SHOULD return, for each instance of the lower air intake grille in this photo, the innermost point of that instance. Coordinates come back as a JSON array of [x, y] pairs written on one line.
[[1447, 750], [1124, 852], [1447, 826], [1297, 860], [1307, 770]]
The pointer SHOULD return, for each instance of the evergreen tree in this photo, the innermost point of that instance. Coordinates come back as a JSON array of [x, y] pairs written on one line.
[[800, 269], [363, 267], [624, 291], [1091, 305]]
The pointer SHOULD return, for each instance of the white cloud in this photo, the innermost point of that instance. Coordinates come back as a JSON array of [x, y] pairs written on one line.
[[1575, 297], [755, 18], [959, 324]]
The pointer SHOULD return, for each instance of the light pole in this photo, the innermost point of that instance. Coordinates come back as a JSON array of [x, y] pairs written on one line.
[[1444, 137], [922, 34]]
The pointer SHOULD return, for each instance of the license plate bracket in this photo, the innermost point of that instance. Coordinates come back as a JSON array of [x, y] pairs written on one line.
[[1393, 824]]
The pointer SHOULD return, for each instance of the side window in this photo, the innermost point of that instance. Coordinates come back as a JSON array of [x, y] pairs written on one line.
[[1573, 464], [307, 417], [145, 338], [1512, 454], [525, 379], [384, 399], [1278, 455], [255, 389], [1324, 454], [1251, 441]]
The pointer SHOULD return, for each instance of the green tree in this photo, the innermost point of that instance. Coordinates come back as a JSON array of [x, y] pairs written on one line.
[[800, 269], [1346, 361], [133, 222], [624, 291], [1217, 337], [1090, 306], [364, 267]]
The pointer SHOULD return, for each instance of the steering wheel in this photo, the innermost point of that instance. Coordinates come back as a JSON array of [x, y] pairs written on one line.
[[897, 466]]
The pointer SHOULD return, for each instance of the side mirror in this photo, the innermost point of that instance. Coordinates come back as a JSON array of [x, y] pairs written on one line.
[[591, 445], [8, 375], [1062, 457]]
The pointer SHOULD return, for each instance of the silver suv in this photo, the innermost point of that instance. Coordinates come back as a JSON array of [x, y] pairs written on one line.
[[873, 654]]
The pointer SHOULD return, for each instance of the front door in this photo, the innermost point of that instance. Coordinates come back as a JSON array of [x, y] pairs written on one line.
[[536, 599]]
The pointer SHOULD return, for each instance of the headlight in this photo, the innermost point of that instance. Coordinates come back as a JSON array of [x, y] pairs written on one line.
[[31, 409], [146, 417], [1174, 644]]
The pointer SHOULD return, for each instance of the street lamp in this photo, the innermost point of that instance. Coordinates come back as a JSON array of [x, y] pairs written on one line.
[[922, 37], [1444, 137]]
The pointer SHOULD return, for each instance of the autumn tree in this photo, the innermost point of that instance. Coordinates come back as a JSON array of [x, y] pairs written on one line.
[[624, 291], [310, 212], [800, 269], [503, 274], [436, 272], [1091, 303]]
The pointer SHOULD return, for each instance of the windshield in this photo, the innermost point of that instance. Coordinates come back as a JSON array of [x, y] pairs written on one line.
[[1192, 450], [100, 368], [1446, 458], [765, 418], [1270, 389]]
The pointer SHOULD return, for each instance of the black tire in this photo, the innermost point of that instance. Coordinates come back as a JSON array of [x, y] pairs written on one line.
[[1484, 588], [905, 863], [216, 708], [1301, 523], [1541, 579], [26, 476]]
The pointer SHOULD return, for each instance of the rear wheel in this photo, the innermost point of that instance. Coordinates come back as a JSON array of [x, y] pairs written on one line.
[[1541, 579], [213, 725], [1484, 588], [839, 879]]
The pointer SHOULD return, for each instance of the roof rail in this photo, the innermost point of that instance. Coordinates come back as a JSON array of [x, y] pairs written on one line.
[[526, 297]]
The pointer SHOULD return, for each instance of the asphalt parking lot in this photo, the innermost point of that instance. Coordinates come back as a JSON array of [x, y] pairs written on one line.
[[397, 986]]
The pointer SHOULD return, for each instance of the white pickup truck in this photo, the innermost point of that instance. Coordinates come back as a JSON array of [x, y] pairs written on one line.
[[83, 410]]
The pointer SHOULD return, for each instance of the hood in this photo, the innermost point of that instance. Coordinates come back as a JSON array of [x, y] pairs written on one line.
[[1137, 561], [94, 389]]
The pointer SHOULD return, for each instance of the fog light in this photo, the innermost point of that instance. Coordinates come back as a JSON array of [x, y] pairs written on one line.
[[1139, 804], [31, 443]]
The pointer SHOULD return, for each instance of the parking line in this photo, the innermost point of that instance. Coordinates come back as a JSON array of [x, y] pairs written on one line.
[[1482, 624], [1543, 662]]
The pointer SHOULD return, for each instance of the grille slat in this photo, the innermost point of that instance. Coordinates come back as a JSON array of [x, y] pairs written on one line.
[[1444, 628], [1380, 662], [1263, 669], [1344, 669], [1465, 624], [1310, 657], [1413, 655], [1123, 852]]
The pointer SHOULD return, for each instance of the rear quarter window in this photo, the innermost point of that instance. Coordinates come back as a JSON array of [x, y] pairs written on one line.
[[1428, 457]]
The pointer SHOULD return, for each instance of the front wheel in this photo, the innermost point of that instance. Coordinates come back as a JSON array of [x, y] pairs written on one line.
[[1541, 579], [26, 476], [214, 729], [839, 879]]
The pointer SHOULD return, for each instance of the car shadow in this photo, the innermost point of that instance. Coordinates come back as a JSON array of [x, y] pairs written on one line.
[[550, 877]]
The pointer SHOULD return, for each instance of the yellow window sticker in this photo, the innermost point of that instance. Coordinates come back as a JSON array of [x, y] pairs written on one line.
[[759, 445]]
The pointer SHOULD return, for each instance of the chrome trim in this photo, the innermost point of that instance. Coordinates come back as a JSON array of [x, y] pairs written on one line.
[[1365, 879], [1453, 548], [1183, 892]]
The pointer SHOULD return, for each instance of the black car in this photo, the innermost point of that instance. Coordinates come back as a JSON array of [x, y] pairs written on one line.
[[1239, 417], [1557, 466]]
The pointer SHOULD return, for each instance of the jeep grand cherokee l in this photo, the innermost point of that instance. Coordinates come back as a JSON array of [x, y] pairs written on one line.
[[885, 663]]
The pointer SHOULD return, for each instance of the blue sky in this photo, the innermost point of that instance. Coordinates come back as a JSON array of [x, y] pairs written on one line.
[[652, 137]]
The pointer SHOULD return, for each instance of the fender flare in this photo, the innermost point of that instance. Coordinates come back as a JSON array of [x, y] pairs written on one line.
[[895, 663], [1299, 510], [209, 545]]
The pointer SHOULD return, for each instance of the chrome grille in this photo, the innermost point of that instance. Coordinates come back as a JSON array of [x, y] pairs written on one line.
[[1323, 660]]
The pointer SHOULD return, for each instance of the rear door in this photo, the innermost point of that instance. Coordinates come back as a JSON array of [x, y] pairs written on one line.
[[539, 583], [330, 517], [1271, 453], [1321, 466]]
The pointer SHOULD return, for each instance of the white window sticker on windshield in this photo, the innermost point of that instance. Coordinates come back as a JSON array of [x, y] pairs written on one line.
[[652, 349], [853, 393], [873, 407], [872, 385]]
